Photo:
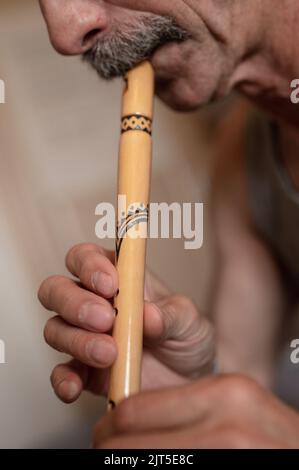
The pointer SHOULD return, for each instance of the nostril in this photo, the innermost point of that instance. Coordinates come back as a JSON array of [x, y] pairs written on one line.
[[90, 36]]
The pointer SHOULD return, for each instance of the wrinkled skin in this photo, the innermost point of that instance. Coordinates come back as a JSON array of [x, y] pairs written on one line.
[[243, 44]]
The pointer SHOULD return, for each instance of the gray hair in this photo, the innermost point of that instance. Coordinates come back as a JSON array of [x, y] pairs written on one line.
[[115, 55]]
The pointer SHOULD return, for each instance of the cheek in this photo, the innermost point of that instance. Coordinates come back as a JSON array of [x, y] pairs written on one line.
[[201, 79], [152, 6], [177, 9]]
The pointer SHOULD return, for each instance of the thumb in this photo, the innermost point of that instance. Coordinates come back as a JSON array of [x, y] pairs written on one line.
[[179, 335], [170, 318]]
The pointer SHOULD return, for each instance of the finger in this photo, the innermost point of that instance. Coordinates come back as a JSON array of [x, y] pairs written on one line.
[[179, 337], [68, 380], [95, 268], [153, 326], [163, 409], [75, 305], [170, 318], [95, 350]]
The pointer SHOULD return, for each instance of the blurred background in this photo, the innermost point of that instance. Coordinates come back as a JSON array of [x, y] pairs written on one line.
[[59, 132]]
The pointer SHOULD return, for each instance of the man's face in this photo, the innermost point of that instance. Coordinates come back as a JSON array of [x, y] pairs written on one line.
[[114, 35]]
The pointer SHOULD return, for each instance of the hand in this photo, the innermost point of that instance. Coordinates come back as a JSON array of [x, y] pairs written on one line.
[[178, 342], [218, 412]]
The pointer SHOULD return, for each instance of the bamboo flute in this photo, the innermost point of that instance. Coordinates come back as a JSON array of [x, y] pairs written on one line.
[[134, 174]]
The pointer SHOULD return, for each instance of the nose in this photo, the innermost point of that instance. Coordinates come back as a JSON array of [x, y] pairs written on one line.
[[74, 25]]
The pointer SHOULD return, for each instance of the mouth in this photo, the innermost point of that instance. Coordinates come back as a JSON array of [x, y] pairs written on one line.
[[117, 53]]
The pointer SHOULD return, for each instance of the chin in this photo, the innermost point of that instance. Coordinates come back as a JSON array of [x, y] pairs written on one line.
[[182, 95], [185, 78]]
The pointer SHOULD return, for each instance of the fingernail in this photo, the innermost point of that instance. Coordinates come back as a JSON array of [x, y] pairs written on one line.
[[96, 317], [68, 390], [103, 283], [101, 352]]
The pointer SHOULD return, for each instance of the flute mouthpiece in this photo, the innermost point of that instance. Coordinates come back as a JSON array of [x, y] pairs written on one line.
[[139, 90]]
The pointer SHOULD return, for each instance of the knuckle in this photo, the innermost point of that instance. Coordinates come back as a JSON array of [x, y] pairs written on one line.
[[239, 389], [66, 298], [81, 248], [77, 344]]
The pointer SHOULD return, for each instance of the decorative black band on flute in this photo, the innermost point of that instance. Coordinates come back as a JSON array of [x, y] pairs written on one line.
[[136, 122], [136, 215]]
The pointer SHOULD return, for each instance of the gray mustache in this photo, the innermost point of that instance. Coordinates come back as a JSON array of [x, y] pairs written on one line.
[[114, 56]]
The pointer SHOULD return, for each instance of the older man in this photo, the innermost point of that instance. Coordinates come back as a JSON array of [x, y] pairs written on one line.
[[200, 50]]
